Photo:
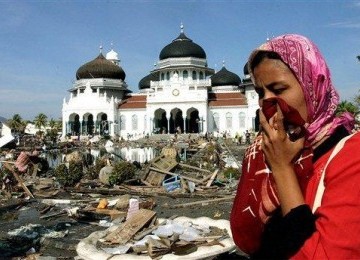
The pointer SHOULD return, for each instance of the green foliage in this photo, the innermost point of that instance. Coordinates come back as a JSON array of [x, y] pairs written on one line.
[[346, 106], [232, 173], [69, 176], [17, 124], [40, 121], [122, 171]]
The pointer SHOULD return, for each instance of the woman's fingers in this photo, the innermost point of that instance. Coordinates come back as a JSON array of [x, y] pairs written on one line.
[[265, 127], [279, 120]]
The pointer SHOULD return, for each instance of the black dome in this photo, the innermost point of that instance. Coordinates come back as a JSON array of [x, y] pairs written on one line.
[[145, 81], [225, 78], [182, 46], [100, 67], [246, 69]]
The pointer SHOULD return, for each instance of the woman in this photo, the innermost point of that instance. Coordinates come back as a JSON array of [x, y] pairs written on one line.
[[298, 196]]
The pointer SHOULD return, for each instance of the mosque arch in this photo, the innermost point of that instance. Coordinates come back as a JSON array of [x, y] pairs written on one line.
[[194, 75], [88, 125], [122, 122], [228, 117], [242, 117], [134, 122], [201, 75], [193, 120], [102, 124], [160, 121], [176, 121], [73, 127]]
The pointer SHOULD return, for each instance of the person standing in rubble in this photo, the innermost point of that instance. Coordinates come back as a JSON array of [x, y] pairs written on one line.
[[247, 137]]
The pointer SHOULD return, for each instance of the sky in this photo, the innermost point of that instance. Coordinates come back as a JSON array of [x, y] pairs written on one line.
[[43, 43]]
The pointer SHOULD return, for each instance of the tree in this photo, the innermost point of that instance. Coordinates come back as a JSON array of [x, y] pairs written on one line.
[[346, 106], [17, 124], [40, 122]]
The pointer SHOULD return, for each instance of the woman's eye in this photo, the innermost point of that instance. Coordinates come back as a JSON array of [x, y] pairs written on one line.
[[278, 91]]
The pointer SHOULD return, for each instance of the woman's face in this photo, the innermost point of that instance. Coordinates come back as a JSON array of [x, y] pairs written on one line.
[[273, 78]]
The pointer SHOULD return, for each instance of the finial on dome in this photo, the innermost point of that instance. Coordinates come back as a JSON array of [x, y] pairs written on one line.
[[181, 28], [100, 47], [112, 45], [155, 64], [223, 63]]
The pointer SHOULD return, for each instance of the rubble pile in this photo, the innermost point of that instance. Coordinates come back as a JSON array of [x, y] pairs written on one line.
[[96, 195]]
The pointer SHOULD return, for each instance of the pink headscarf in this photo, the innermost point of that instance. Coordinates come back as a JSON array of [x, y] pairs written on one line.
[[310, 69]]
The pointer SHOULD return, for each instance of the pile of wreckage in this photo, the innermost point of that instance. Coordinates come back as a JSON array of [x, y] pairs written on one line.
[[127, 210]]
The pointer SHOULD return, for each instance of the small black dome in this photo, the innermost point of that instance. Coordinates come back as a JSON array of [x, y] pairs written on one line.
[[246, 69], [225, 78], [100, 67], [145, 81], [182, 46]]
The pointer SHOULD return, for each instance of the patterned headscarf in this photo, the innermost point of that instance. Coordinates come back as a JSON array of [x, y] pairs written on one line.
[[309, 67]]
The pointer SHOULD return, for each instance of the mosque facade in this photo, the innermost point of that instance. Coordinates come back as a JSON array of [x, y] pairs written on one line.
[[180, 95]]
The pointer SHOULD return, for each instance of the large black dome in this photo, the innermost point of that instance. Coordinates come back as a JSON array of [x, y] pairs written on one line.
[[100, 67], [225, 78], [145, 81], [182, 46], [246, 69]]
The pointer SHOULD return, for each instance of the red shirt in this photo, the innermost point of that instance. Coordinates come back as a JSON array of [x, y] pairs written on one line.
[[337, 234]]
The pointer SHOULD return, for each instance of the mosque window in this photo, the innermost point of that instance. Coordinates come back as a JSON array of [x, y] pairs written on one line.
[[94, 90], [162, 76], [228, 120], [242, 120], [134, 121], [201, 76], [216, 121], [185, 74], [168, 75], [122, 122], [194, 75], [81, 90]]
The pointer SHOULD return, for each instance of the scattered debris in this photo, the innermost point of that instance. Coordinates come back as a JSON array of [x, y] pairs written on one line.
[[92, 192]]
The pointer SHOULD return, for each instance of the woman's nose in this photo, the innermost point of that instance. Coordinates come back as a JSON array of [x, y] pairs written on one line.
[[268, 94]]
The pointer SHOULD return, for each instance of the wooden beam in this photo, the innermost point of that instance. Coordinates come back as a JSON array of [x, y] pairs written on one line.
[[174, 174], [194, 168], [201, 202], [17, 177]]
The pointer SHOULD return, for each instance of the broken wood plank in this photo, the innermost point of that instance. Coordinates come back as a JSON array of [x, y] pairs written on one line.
[[194, 168], [208, 184], [201, 202], [19, 180], [174, 174], [130, 227]]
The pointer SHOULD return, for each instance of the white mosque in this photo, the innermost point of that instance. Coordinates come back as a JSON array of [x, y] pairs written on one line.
[[181, 94]]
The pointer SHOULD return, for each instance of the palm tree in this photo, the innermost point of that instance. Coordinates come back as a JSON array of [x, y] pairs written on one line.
[[17, 124], [40, 121], [52, 123]]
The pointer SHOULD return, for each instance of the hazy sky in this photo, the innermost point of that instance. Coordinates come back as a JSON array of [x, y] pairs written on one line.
[[43, 43]]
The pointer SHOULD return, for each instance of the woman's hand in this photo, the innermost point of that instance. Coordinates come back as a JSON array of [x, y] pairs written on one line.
[[279, 150], [280, 154]]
